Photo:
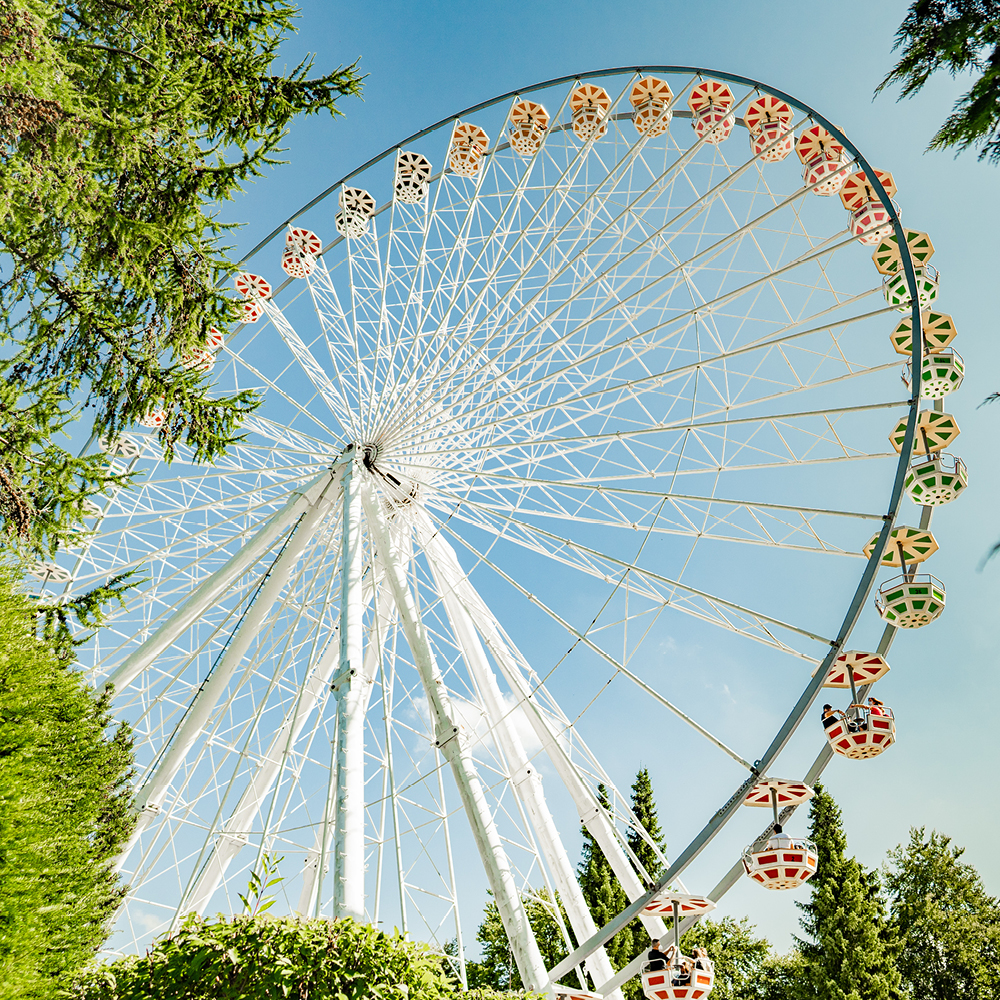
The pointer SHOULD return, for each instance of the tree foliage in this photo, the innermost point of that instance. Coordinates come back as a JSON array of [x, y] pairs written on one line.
[[947, 924], [124, 125], [737, 953], [260, 957], [958, 36], [644, 809], [847, 952], [496, 969], [64, 805]]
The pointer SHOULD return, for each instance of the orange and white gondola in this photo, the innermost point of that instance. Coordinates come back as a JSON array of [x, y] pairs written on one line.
[[529, 123], [468, 147], [652, 100], [589, 106], [675, 976]]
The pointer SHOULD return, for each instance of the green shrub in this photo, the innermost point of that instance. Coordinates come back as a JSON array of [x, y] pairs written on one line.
[[263, 957]]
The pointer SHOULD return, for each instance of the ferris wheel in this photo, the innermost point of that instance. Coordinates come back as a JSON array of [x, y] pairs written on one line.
[[587, 367]]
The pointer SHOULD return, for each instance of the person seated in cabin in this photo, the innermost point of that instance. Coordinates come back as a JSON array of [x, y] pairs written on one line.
[[656, 960], [829, 716], [701, 960], [681, 972], [875, 707]]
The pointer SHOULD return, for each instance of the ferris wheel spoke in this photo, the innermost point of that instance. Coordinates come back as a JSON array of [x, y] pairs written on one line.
[[684, 523], [561, 187], [672, 279], [655, 588], [331, 395]]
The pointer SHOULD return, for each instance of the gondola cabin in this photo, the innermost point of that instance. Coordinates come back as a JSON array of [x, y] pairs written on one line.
[[529, 123], [684, 981], [254, 289], [897, 291], [711, 104], [154, 418], [782, 863], [940, 373], [861, 732], [214, 340], [869, 216], [413, 174], [356, 209], [931, 482], [302, 246], [911, 601], [589, 107], [769, 122], [824, 160], [651, 99], [468, 147]]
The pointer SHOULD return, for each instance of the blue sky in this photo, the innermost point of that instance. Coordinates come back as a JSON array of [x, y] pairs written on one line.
[[430, 60]]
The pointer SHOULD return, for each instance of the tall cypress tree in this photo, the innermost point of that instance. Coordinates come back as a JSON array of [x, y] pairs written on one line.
[[644, 809], [847, 954]]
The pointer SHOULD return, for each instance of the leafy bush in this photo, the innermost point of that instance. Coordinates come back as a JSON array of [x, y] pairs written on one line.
[[253, 957]]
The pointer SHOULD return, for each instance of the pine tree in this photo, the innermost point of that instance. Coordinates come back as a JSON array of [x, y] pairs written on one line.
[[947, 924], [847, 952], [603, 893], [123, 126], [644, 809]]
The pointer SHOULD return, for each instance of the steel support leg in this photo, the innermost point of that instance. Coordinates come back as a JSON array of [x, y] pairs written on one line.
[[349, 801], [525, 778], [207, 594], [452, 745], [150, 797], [235, 832], [592, 814]]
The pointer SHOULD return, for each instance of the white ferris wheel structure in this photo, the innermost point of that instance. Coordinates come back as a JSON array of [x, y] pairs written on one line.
[[587, 363]]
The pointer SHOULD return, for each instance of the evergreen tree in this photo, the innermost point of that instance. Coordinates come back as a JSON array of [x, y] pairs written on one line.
[[604, 895], [123, 125], [847, 952], [947, 924], [644, 809], [64, 803], [959, 37]]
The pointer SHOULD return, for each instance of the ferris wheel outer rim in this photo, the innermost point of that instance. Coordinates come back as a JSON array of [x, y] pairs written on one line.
[[867, 580]]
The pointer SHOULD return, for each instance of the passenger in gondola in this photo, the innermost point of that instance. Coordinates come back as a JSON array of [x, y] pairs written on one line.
[[701, 960], [681, 973], [656, 959], [829, 716], [875, 707]]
